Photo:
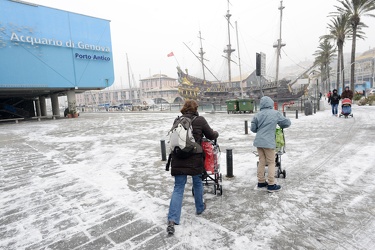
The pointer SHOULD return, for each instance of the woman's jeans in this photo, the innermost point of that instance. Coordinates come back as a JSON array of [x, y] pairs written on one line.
[[178, 195], [334, 109]]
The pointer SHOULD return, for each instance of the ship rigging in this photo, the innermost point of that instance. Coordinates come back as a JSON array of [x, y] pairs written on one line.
[[208, 92]]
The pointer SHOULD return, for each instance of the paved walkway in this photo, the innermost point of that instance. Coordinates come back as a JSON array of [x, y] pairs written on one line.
[[97, 182]]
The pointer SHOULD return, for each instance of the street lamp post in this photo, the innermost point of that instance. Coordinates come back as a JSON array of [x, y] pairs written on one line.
[[313, 73], [360, 67], [317, 94], [315, 102], [331, 84], [343, 81], [373, 73]]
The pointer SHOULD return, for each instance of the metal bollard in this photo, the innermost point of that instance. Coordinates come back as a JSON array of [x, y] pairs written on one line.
[[296, 113], [246, 128], [163, 150], [229, 163]]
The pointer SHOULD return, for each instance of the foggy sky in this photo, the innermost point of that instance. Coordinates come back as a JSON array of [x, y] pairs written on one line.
[[147, 30]]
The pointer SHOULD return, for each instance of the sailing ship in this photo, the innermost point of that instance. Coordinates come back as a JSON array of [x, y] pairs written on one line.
[[201, 90], [208, 92]]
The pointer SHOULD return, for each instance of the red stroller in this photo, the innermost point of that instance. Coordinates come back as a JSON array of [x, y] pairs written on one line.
[[212, 173], [346, 108]]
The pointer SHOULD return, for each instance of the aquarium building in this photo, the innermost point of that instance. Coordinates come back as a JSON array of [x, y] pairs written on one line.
[[47, 53]]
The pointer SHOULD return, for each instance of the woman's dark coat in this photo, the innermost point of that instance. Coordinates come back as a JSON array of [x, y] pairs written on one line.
[[334, 98], [194, 165]]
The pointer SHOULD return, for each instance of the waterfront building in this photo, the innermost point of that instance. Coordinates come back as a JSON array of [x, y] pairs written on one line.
[[156, 89], [109, 97], [159, 88], [364, 71]]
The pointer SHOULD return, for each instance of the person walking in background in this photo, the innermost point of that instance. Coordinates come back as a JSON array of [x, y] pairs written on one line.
[[264, 125], [334, 100], [193, 165], [347, 93], [329, 94]]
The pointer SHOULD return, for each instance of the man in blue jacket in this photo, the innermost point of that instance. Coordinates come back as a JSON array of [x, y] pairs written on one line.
[[264, 125]]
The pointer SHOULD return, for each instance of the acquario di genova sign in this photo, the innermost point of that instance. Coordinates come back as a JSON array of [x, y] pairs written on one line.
[[52, 42], [69, 44]]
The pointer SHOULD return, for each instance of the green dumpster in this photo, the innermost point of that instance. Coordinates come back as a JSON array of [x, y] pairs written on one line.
[[246, 105], [232, 106]]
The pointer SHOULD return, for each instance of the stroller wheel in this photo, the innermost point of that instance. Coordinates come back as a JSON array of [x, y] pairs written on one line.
[[278, 172], [284, 174], [220, 190], [215, 189]]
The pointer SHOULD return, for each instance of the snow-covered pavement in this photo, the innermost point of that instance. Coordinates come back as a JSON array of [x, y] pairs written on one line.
[[98, 182]]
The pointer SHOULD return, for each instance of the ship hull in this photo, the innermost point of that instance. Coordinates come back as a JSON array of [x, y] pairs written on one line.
[[206, 92]]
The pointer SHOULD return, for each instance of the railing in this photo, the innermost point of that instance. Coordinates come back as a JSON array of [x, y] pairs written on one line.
[[282, 106]]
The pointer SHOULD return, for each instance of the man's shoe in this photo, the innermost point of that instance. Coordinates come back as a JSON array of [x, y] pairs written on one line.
[[262, 185], [170, 228], [273, 188], [204, 208]]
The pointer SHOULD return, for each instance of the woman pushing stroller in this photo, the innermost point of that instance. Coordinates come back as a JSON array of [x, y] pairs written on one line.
[[347, 93], [264, 125], [346, 104], [192, 165]]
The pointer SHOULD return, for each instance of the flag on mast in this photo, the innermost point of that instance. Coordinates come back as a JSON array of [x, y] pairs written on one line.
[[170, 54]]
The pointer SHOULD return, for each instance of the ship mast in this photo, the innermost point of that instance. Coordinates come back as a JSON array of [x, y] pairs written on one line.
[[201, 53], [204, 65], [239, 61], [229, 49], [130, 84], [279, 43]]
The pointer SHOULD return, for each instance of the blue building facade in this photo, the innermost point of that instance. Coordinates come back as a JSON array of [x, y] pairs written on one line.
[[47, 51]]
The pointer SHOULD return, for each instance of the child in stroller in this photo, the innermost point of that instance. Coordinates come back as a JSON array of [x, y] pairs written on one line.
[[346, 108]]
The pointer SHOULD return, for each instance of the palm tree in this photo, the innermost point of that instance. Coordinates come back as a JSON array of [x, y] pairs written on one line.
[[339, 30], [355, 9], [323, 57]]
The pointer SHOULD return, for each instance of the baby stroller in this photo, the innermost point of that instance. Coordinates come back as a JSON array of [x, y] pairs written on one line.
[[212, 175], [346, 108], [279, 151]]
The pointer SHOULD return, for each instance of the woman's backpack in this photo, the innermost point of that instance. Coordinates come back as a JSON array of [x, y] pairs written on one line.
[[181, 139]]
